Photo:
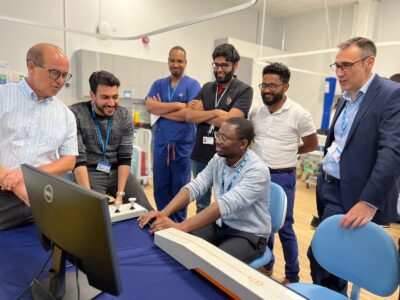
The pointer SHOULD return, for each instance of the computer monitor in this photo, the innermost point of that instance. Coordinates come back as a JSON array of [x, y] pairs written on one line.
[[75, 223]]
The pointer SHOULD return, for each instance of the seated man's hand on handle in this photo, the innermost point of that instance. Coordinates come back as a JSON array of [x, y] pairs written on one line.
[[148, 218], [157, 221], [163, 223]]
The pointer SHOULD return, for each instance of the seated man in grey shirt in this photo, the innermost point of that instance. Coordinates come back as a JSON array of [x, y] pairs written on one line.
[[238, 222]]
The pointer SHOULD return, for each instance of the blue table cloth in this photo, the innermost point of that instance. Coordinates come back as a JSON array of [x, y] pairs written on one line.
[[146, 271]]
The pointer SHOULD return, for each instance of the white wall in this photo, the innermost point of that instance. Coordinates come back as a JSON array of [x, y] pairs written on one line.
[[388, 58], [129, 17], [252, 50], [308, 32], [303, 32]]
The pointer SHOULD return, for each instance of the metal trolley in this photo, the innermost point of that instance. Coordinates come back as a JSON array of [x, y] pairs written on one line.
[[311, 162], [141, 155]]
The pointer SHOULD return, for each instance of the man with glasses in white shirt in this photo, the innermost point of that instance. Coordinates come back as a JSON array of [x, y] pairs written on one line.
[[279, 126], [36, 128], [361, 166]]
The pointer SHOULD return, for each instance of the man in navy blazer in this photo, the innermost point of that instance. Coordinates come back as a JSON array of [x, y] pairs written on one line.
[[361, 166]]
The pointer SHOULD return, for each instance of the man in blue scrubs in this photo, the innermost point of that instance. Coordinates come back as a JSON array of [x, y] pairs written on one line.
[[173, 136]]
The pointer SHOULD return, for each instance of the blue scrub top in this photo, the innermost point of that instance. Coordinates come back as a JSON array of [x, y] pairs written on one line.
[[167, 131]]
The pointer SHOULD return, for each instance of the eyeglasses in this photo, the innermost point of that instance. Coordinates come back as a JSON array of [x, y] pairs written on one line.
[[224, 66], [55, 74], [270, 86], [345, 66], [225, 138]]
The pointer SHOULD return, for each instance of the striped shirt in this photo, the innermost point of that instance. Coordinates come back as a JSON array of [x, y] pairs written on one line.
[[33, 131]]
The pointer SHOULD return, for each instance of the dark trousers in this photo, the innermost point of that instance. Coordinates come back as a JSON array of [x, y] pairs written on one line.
[[13, 211], [171, 171], [203, 201], [286, 234], [108, 183], [329, 197], [242, 245]]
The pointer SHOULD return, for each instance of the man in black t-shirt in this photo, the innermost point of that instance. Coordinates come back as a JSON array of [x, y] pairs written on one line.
[[217, 101]]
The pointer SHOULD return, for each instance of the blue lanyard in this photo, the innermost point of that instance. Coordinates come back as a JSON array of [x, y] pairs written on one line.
[[344, 123], [239, 169], [103, 143], [171, 92]]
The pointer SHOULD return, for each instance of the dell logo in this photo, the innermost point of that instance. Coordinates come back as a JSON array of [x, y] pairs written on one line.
[[48, 193]]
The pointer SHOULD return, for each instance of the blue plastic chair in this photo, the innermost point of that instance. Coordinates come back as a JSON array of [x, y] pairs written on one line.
[[365, 256], [277, 211]]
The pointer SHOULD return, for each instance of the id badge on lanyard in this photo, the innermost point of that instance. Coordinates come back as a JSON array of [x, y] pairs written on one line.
[[238, 170], [335, 151], [209, 138], [103, 166]]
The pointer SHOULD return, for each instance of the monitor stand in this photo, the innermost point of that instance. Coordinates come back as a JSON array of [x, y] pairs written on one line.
[[40, 288], [60, 284]]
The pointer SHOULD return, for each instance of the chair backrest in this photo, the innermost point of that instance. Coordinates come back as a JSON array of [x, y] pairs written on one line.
[[277, 206], [366, 256]]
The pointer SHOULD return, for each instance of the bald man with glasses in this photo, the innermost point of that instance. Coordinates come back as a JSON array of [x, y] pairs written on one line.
[[36, 128]]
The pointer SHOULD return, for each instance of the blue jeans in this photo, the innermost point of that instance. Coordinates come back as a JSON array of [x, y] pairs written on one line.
[[203, 201], [286, 234]]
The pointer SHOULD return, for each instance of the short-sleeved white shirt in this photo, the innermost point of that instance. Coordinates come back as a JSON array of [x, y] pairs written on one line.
[[278, 135]]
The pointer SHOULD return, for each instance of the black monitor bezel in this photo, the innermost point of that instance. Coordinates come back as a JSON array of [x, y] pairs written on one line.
[[34, 176]]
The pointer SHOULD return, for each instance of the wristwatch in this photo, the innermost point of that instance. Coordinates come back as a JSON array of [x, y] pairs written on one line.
[[120, 194]]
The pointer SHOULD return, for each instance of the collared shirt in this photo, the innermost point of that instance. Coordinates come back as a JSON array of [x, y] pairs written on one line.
[[119, 146], [237, 164], [245, 206], [342, 128], [278, 135], [33, 131]]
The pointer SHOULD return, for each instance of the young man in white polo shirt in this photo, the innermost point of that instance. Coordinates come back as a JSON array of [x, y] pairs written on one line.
[[279, 125]]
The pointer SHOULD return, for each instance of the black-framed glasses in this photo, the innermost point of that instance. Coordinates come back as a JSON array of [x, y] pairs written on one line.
[[270, 86], [223, 66], [345, 67], [55, 74], [225, 138]]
